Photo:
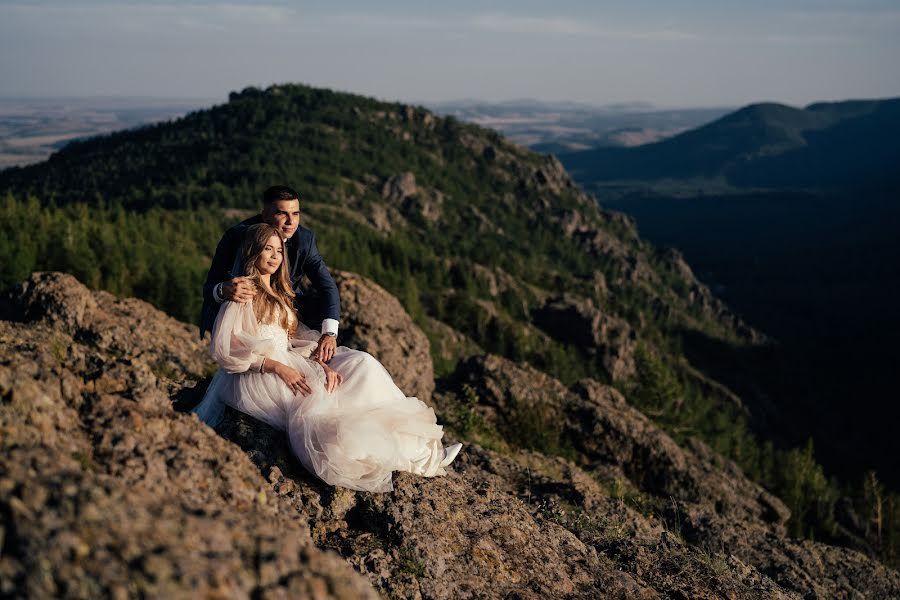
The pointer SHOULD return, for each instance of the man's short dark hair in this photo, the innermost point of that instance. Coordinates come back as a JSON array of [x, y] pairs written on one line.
[[279, 192]]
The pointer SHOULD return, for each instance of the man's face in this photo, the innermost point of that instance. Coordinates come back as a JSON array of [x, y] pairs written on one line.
[[284, 215]]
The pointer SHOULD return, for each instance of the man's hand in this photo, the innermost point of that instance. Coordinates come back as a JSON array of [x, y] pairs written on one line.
[[325, 349], [239, 289]]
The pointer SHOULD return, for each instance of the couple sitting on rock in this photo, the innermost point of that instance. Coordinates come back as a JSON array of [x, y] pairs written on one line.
[[345, 418]]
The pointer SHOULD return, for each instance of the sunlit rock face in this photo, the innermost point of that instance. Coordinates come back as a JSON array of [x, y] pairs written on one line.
[[109, 487]]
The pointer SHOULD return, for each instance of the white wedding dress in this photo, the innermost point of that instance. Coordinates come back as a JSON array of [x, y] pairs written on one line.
[[354, 437]]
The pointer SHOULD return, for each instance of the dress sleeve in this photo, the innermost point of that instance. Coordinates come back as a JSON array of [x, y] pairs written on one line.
[[305, 341], [236, 343]]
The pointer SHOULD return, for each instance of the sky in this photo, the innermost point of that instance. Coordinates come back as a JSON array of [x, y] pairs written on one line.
[[668, 53]]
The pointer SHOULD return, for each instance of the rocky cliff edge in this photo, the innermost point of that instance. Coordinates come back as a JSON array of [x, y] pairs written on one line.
[[110, 487]]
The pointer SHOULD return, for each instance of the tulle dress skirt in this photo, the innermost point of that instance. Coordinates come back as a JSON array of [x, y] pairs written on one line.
[[353, 437]]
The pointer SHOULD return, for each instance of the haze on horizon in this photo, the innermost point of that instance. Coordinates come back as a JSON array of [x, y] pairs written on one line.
[[707, 53]]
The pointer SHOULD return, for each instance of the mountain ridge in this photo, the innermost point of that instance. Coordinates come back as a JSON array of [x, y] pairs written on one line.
[[764, 145]]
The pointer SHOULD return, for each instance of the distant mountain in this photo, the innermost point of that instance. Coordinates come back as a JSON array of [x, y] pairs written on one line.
[[535, 106], [560, 127], [790, 215], [33, 128], [825, 145]]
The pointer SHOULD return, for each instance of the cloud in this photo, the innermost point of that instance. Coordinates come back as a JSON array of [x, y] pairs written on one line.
[[860, 20], [368, 21], [799, 39], [261, 14], [192, 15], [194, 24], [499, 23], [225, 16]]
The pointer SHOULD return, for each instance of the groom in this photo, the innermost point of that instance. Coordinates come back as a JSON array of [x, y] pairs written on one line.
[[281, 210]]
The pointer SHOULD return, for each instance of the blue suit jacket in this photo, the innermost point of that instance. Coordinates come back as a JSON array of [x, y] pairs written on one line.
[[303, 258]]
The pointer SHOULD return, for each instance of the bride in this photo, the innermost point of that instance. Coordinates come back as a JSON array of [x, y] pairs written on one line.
[[346, 421]]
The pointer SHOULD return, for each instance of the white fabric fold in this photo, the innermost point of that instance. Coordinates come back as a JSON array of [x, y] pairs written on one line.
[[354, 437], [237, 344]]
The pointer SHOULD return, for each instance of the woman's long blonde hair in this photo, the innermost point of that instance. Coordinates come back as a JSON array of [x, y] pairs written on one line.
[[278, 298]]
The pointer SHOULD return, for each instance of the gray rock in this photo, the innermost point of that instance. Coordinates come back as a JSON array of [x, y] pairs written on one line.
[[374, 321], [401, 192], [578, 322], [399, 187], [127, 328], [703, 499], [55, 298], [107, 491]]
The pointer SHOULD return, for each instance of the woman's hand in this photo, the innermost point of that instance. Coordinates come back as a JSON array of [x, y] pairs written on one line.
[[332, 378], [293, 378]]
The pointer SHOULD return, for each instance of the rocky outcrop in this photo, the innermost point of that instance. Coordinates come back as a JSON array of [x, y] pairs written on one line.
[[522, 525], [604, 429], [115, 326], [608, 430], [402, 192], [374, 321], [553, 176], [699, 295], [107, 490], [578, 322], [447, 537], [702, 499], [451, 345], [398, 188]]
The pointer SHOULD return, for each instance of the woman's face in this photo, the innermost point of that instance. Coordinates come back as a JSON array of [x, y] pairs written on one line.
[[272, 255]]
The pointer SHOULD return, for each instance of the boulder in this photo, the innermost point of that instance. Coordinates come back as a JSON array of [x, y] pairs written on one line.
[[127, 328], [107, 491], [702, 498], [54, 298], [401, 192], [399, 187], [577, 321], [374, 321]]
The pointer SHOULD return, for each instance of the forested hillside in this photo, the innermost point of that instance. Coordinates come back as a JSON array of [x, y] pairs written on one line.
[[487, 245], [790, 215]]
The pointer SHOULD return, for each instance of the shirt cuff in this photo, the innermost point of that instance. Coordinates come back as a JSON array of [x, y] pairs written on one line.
[[329, 326], [216, 296]]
